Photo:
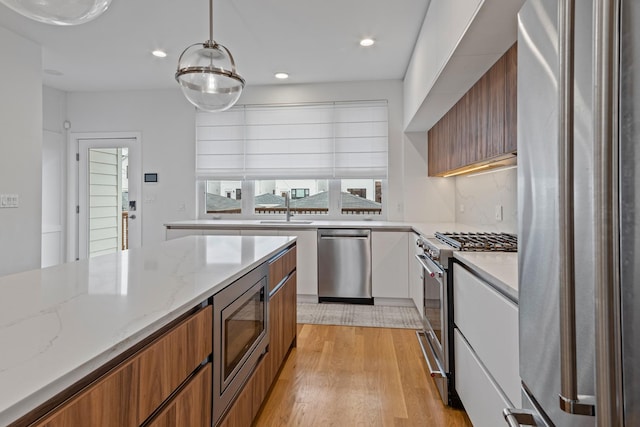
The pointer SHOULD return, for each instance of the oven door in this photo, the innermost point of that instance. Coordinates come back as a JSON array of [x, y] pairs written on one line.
[[433, 338]]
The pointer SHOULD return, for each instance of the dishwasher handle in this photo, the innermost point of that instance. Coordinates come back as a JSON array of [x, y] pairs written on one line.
[[344, 234]]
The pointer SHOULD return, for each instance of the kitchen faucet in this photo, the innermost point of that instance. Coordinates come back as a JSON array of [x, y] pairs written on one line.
[[287, 205]]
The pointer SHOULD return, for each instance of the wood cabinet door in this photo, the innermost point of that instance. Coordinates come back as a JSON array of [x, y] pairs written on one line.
[[111, 402], [166, 363], [511, 96], [191, 406], [496, 109]]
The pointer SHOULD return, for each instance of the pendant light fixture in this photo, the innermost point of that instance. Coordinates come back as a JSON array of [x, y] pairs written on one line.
[[59, 12], [207, 74]]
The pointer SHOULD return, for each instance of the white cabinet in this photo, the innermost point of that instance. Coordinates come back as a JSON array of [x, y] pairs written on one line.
[[174, 233], [481, 397], [416, 288], [487, 352], [390, 264]]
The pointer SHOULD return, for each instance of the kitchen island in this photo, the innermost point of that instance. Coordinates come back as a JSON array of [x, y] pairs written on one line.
[[61, 324]]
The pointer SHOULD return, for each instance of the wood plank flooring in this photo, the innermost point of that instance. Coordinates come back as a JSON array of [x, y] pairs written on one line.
[[356, 376]]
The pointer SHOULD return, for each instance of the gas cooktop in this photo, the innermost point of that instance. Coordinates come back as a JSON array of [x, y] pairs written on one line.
[[480, 242]]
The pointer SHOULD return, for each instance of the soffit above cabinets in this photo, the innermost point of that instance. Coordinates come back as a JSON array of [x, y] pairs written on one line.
[[491, 32], [312, 41]]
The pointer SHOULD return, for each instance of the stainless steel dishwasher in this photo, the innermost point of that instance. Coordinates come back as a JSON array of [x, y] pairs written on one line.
[[344, 266]]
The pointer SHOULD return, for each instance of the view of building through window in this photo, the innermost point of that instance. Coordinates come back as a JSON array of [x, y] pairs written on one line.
[[307, 197]]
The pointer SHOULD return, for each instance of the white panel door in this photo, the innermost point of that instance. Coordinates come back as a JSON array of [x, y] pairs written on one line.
[[108, 185]]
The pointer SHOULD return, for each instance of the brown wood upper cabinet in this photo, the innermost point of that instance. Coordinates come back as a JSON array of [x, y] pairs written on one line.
[[481, 126]]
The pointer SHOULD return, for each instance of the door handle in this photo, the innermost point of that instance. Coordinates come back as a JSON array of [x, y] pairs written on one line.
[[522, 417], [132, 217], [569, 400]]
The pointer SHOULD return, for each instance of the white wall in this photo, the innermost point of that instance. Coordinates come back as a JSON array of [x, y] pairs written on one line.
[[21, 159], [426, 199], [443, 27], [54, 176], [481, 194], [167, 124]]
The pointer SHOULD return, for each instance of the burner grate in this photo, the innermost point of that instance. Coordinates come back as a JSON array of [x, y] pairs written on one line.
[[481, 242]]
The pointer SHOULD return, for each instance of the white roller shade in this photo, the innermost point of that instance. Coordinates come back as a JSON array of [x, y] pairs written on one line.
[[337, 140]]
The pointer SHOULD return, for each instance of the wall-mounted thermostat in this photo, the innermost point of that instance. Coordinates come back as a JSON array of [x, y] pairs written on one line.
[[150, 177]]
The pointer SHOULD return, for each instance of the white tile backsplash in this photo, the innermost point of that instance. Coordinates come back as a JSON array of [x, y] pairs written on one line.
[[478, 196]]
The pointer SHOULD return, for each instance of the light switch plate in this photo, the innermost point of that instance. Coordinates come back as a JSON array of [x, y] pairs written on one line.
[[498, 212]]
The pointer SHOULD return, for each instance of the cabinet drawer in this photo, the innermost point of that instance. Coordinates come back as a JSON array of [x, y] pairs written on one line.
[[481, 398], [280, 267], [489, 322], [191, 406], [102, 404], [166, 363]]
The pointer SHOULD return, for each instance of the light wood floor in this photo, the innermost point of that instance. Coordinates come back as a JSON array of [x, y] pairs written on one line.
[[355, 376]]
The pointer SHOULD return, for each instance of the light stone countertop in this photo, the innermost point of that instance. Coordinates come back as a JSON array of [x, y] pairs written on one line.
[[499, 269], [59, 324], [426, 229]]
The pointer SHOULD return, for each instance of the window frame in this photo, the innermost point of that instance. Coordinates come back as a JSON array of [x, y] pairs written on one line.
[[248, 207]]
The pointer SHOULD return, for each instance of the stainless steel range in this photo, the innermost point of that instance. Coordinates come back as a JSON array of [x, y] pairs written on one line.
[[436, 339]]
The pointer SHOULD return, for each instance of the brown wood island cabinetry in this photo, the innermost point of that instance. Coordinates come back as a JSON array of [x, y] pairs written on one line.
[[282, 337], [134, 389], [481, 126], [167, 379]]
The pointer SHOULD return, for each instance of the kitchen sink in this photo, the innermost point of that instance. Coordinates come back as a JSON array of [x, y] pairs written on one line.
[[282, 221]]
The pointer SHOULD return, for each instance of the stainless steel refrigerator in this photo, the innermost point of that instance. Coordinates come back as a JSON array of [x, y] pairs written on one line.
[[579, 213]]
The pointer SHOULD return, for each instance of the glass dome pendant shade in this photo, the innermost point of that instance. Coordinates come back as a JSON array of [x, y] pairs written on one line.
[[59, 12], [207, 74]]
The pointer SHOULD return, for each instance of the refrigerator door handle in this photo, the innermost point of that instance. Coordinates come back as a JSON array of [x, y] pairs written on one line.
[[609, 410], [522, 417], [569, 400]]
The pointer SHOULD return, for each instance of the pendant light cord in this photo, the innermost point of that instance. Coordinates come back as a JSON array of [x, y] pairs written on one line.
[[210, 20]]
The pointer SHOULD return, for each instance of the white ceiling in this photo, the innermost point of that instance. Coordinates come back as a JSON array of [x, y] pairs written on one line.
[[314, 41]]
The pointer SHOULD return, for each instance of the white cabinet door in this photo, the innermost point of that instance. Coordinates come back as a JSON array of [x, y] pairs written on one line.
[[256, 232], [174, 233], [489, 323], [307, 262], [416, 288], [390, 264], [481, 397], [221, 232]]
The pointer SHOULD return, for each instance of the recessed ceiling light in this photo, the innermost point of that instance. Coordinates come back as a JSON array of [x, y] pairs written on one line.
[[282, 76], [159, 53], [367, 42]]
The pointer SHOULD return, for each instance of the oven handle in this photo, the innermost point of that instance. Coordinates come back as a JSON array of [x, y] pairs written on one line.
[[435, 373], [433, 271]]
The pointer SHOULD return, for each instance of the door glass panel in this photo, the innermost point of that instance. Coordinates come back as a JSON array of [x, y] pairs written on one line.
[[433, 305], [108, 200]]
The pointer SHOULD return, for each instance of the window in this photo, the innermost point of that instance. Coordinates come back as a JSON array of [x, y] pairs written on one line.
[[299, 193], [222, 197], [330, 158], [313, 199], [354, 200]]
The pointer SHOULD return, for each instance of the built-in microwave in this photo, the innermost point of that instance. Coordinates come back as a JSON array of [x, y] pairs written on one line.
[[240, 335]]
